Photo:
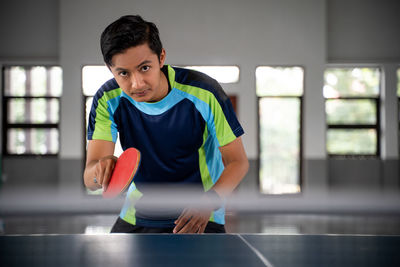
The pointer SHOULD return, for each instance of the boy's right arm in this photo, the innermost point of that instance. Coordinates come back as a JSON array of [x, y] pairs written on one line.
[[100, 163]]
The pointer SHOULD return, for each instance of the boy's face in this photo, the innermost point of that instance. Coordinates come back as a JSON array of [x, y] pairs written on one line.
[[138, 72]]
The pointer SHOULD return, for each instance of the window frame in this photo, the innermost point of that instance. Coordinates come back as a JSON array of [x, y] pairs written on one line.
[[25, 126], [377, 100], [84, 98], [195, 66], [397, 74], [301, 130]]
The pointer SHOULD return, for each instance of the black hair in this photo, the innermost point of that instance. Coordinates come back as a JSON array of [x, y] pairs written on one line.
[[126, 32]]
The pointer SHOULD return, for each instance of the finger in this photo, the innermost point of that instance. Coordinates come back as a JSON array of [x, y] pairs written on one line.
[[182, 220], [187, 228], [180, 224], [193, 225], [185, 214], [180, 216], [95, 178], [100, 171], [203, 222], [98, 174], [202, 228], [107, 176], [95, 181]]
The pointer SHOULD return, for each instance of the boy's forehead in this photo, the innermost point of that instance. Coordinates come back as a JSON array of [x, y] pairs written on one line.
[[134, 56]]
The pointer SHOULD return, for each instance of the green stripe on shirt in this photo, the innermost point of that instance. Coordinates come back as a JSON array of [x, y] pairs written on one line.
[[223, 130], [103, 123], [205, 174]]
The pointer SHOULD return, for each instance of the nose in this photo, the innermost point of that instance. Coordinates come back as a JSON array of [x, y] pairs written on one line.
[[137, 81]]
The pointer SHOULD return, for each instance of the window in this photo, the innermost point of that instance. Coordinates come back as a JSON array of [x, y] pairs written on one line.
[[280, 92], [223, 74], [31, 110], [93, 77], [352, 111]]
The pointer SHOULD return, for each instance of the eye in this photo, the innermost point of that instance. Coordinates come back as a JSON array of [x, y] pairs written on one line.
[[123, 73], [145, 68]]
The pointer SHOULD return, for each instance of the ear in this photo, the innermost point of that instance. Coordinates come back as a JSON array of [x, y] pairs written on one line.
[[162, 58]]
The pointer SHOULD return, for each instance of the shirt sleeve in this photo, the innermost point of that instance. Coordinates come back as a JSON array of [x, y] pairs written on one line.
[[101, 125], [225, 122]]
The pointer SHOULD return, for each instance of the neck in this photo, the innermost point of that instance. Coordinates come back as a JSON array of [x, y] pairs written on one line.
[[164, 84], [163, 88]]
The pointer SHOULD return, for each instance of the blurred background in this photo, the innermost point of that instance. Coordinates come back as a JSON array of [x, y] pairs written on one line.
[[315, 85]]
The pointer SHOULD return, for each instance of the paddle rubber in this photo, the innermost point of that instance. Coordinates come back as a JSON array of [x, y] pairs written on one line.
[[123, 173]]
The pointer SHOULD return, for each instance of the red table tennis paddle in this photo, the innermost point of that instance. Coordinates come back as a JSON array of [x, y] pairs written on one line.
[[123, 173]]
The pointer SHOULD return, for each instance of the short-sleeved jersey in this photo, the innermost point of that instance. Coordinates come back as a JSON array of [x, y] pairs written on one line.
[[178, 136]]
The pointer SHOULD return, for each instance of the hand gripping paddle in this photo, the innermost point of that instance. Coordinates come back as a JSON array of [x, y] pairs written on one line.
[[123, 173]]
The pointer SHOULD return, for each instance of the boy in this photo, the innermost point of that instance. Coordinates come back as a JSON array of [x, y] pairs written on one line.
[[180, 120]]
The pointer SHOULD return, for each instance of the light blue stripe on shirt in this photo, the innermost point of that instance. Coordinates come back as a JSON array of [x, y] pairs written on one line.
[[159, 107]]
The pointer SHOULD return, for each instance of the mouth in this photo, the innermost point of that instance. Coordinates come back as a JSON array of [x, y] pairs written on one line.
[[141, 93]]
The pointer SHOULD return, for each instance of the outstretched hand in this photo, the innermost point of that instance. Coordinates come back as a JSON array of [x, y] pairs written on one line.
[[193, 220]]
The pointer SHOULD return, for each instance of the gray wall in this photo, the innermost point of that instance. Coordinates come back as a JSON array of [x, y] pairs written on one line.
[[310, 33], [29, 30], [363, 31]]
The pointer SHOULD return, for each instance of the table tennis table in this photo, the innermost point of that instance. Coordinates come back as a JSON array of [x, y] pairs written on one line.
[[199, 250]]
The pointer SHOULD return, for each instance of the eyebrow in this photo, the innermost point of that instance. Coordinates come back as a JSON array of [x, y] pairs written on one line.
[[138, 66], [143, 63]]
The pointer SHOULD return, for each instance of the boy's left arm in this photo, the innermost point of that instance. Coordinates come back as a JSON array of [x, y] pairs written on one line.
[[194, 220], [236, 167]]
